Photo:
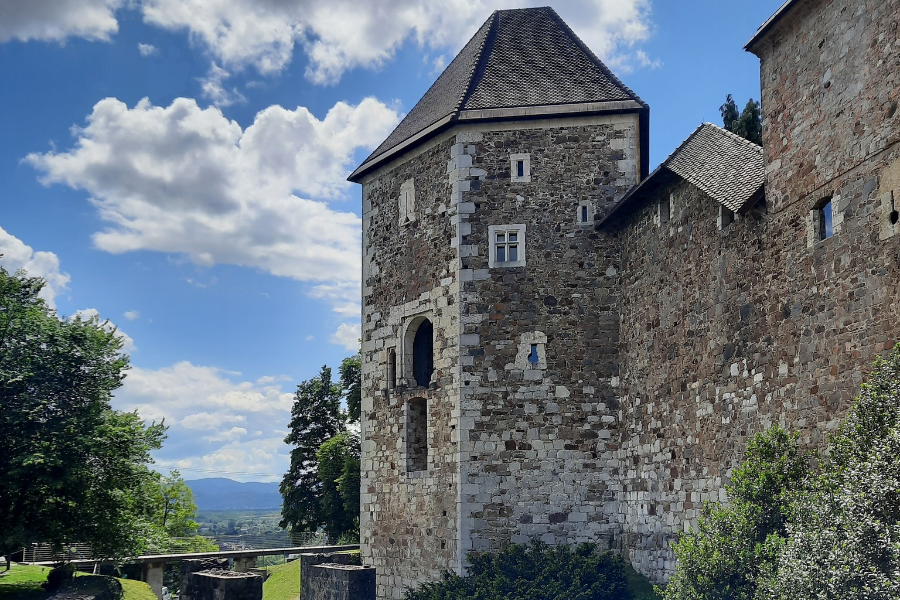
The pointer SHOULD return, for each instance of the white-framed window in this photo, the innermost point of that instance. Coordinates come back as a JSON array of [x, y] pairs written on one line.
[[507, 246], [407, 201], [520, 168]]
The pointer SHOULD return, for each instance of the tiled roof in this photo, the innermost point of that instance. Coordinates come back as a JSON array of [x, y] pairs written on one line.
[[724, 165], [770, 22], [518, 58]]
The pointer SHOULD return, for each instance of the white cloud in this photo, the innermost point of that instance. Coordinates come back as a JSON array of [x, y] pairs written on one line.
[[57, 20], [194, 398], [15, 255], [213, 86], [132, 315], [86, 314], [343, 34], [347, 335], [147, 49], [187, 180]]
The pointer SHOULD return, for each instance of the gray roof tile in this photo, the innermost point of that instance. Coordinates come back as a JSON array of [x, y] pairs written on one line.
[[518, 58], [724, 165]]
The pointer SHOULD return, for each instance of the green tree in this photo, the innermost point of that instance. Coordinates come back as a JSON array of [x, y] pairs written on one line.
[[315, 418], [339, 476], [723, 558], [729, 112], [351, 384], [747, 124], [844, 536], [173, 506], [73, 469]]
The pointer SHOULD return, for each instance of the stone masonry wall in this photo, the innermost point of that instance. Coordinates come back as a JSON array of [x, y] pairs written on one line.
[[537, 438], [335, 577], [408, 520], [726, 332], [830, 75]]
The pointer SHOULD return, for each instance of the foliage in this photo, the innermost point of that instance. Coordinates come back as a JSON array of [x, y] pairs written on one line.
[[721, 559], [73, 469], [172, 505], [283, 582], [59, 577], [844, 536], [338, 474], [748, 124], [315, 418], [351, 384], [534, 572]]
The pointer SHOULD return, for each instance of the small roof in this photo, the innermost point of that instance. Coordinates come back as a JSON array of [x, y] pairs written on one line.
[[724, 165], [522, 62], [770, 22]]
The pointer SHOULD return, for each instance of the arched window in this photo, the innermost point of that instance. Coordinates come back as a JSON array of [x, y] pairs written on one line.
[[423, 353]]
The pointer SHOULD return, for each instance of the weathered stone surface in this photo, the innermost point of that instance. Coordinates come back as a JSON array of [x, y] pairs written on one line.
[[221, 584], [335, 577], [194, 565]]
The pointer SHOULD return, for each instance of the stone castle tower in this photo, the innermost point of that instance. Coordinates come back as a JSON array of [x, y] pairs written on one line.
[[559, 345]]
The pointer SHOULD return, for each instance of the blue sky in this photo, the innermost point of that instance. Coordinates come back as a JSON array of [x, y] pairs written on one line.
[[178, 167]]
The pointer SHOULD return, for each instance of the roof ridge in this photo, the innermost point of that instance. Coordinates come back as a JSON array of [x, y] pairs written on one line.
[[586, 49], [735, 136], [480, 64]]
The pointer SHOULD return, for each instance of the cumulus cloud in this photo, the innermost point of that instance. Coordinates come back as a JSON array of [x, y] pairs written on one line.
[[347, 335], [55, 20], [87, 314], [213, 86], [245, 420], [132, 315], [344, 34], [186, 180], [15, 255], [147, 49]]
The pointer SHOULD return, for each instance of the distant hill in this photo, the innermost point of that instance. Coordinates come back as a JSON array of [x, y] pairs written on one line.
[[219, 493]]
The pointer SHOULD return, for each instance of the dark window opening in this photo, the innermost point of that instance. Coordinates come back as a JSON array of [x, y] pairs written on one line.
[[533, 357], [664, 211], [416, 435], [520, 168], [392, 369], [423, 353], [895, 216], [727, 217], [826, 229], [584, 214]]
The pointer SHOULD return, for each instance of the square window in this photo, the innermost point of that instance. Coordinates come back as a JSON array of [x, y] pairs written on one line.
[[507, 246]]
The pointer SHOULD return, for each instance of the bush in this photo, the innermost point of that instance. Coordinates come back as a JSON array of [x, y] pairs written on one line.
[[534, 572], [59, 577]]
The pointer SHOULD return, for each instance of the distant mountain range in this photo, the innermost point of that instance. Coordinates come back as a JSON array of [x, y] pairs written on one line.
[[219, 493]]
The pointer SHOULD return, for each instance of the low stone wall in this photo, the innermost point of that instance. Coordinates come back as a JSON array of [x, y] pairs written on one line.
[[335, 577], [218, 584], [191, 566]]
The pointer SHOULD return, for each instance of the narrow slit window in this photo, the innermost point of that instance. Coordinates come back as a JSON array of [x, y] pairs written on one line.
[[416, 435], [826, 228], [584, 214], [520, 168], [392, 369]]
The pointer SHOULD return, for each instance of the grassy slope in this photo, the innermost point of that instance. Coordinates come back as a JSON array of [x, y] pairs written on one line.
[[283, 582], [24, 583]]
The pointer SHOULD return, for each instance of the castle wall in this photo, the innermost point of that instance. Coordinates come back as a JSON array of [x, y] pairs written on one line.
[[408, 519], [726, 332], [537, 442], [830, 74]]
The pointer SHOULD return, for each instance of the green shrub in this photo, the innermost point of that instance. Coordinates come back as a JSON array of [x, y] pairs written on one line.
[[59, 577], [535, 572]]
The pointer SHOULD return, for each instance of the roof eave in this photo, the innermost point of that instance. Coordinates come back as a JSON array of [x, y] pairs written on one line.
[[766, 27], [498, 114]]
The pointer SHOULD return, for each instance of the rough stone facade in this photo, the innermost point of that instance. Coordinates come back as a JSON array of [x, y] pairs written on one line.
[[335, 577], [220, 584], [604, 389]]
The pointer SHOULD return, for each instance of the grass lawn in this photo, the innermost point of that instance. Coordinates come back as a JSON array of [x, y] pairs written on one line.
[[283, 582], [23, 582]]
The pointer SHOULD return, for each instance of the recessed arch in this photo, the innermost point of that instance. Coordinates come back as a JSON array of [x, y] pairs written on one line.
[[418, 352]]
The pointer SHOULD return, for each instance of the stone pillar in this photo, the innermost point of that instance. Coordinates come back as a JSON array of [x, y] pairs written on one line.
[[217, 584], [152, 575], [193, 565], [244, 563]]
